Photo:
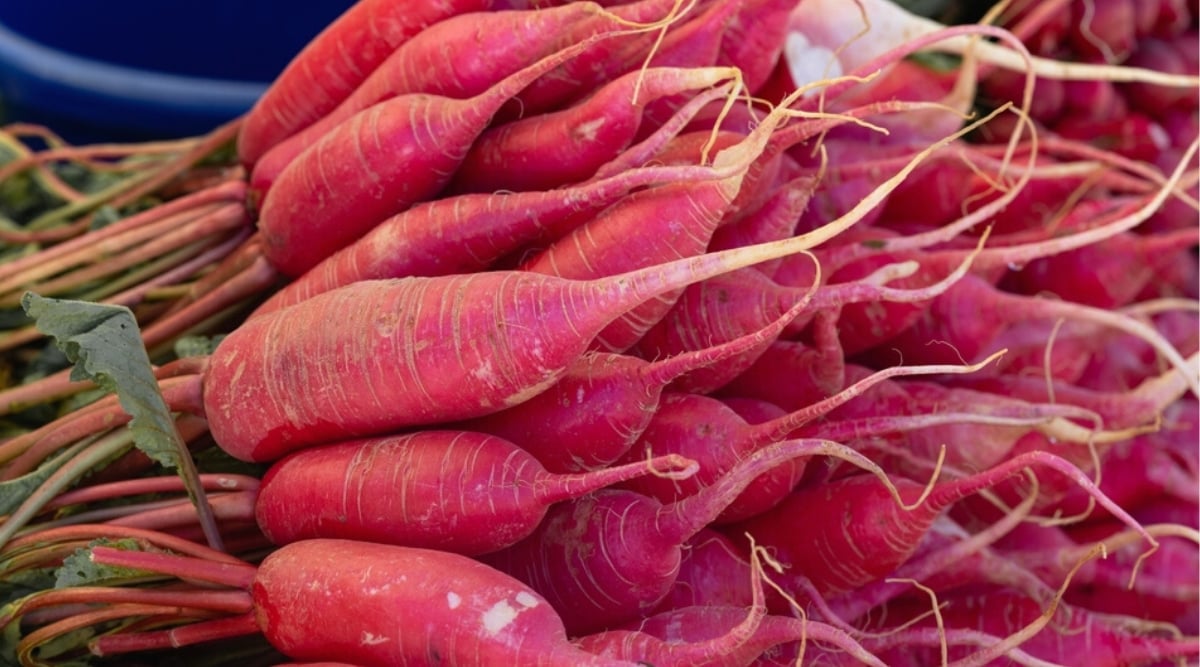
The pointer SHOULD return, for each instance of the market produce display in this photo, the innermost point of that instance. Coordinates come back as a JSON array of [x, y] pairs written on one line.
[[652, 332]]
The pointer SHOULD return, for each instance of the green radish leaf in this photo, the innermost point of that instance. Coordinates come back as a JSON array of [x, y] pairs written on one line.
[[16, 585], [79, 569], [105, 346], [104, 343], [197, 346], [13, 492]]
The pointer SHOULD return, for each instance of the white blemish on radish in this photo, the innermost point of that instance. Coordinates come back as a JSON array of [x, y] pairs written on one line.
[[498, 617], [453, 600], [589, 130], [369, 639], [527, 600]]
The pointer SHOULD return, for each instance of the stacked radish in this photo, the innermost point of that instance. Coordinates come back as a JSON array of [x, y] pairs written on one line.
[[567, 325]]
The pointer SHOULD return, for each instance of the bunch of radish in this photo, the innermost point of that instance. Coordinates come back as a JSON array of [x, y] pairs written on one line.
[[668, 332]]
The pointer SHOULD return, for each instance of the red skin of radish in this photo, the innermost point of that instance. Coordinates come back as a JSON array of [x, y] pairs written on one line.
[[1134, 135], [1094, 100], [1162, 589], [333, 64], [1168, 57], [374, 165], [588, 419], [714, 571], [758, 180], [609, 557], [775, 219], [1152, 466], [754, 41], [792, 374], [942, 191], [458, 491], [553, 149], [706, 427], [1104, 31], [613, 58], [410, 607], [717, 310]]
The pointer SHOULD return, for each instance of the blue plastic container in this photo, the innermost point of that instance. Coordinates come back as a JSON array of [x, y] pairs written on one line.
[[130, 70]]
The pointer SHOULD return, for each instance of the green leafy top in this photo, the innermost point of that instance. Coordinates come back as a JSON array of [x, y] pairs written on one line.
[[104, 343], [79, 569], [105, 346]]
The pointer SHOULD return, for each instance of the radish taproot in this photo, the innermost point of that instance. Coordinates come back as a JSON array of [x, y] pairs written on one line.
[[468, 614], [458, 491]]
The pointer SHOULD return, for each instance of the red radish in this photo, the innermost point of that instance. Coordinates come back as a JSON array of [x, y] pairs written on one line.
[[853, 533], [1108, 274], [333, 64], [458, 491], [693, 44], [1162, 56], [754, 41], [949, 557], [775, 219], [549, 150], [683, 41], [468, 614], [607, 558], [728, 643], [712, 572], [374, 165], [1104, 30], [1155, 581], [793, 374]]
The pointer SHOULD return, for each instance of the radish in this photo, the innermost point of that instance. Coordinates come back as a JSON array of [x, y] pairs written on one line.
[[468, 614], [458, 491]]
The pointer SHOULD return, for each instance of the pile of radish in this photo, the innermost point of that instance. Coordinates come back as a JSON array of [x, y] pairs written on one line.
[[646, 332]]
